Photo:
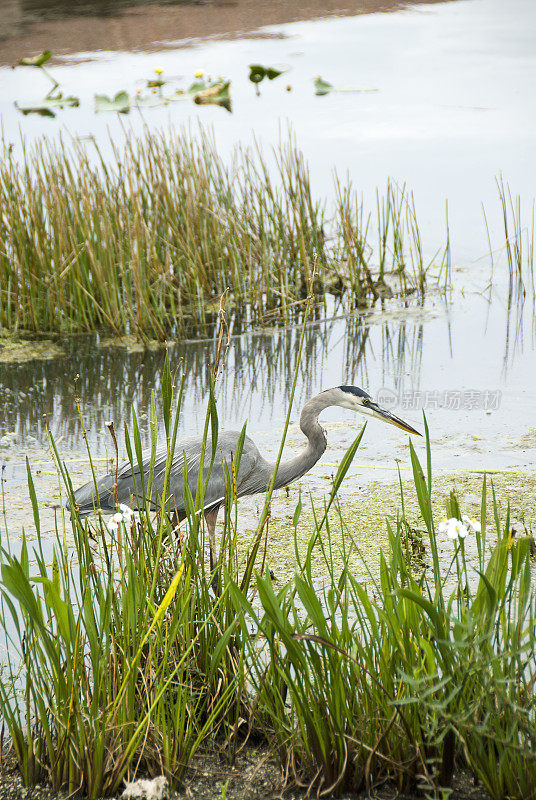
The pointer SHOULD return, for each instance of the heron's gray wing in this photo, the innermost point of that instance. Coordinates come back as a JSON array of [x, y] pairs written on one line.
[[129, 485], [252, 475], [124, 486]]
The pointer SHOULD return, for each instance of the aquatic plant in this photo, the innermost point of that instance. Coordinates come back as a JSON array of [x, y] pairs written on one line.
[[323, 87], [120, 103], [146, 242], [55, 99]]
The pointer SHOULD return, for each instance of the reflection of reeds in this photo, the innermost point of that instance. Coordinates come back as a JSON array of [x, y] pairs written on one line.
[[518, 249], [146, 242], [111, 381]]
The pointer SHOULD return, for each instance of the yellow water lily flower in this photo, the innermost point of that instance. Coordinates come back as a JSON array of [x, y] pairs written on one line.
[[159, 70], [199, 73]]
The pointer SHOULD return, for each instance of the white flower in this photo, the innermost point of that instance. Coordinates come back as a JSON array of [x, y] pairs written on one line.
[[124, 515], [472, 524], [126, 511], [453, 528], [462, 530]]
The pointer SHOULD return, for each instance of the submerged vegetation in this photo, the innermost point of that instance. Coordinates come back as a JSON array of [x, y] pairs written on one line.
[[146, 242], [126, 654]]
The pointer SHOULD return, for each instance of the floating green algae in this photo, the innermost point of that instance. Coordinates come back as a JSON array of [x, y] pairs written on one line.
[[358, 525], [18, 349]]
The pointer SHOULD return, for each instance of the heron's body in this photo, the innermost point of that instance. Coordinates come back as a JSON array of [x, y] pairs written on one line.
[[254, 472], [253, 475]]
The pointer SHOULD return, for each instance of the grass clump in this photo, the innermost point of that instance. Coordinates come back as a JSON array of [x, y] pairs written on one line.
[[120, 657], [145, 242], [404, 678]]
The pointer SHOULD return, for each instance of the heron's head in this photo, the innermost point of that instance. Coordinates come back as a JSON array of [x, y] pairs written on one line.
[[358, 400]]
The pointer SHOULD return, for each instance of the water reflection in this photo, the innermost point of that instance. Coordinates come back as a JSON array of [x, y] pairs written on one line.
[[472, 346], [518, 299], [255, 383], [52, 9]]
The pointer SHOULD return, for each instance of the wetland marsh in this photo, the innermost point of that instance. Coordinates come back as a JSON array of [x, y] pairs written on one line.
[[120, 235]]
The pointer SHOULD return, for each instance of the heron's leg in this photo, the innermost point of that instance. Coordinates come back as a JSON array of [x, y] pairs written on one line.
[[211, 517], [176, 518]]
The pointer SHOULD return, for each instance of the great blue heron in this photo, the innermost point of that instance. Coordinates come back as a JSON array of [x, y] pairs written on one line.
[[254, 473]]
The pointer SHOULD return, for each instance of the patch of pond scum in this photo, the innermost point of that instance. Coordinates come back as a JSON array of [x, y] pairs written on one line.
[[358, 524], [131, 344], [18, 350], [527, 440], [16, 507]]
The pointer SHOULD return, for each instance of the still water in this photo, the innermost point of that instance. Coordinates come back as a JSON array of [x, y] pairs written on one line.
[[453, 108]]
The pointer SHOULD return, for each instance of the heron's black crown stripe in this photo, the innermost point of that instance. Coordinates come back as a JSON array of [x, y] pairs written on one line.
[[355, 390]]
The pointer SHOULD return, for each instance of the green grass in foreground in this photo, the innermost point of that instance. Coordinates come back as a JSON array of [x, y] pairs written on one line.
[[121, 657], [146, 242]]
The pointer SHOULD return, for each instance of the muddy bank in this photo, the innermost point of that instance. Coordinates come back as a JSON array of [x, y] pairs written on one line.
[[32, 27], [255, 776]]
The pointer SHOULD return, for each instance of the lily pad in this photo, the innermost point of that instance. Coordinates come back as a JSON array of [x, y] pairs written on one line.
[[217, 94], [155, 83], [198, 85], [120, 103], [257, 73], [36, 61], [323, 87], [51, 103]]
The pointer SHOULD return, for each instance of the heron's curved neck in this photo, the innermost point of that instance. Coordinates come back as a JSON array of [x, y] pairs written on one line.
[[317, 442]]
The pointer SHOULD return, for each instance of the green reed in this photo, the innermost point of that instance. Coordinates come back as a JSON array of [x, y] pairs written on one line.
[[146, 241], [518, 238]]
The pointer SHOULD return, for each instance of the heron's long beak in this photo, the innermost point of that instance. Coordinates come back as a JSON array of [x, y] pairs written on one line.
[[386, 416]]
